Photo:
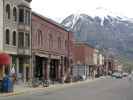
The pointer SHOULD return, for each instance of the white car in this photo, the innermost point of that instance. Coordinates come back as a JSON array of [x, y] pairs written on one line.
[[117, 75], [124, 74]]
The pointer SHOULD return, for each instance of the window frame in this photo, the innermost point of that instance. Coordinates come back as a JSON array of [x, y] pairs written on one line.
[[21, 16], [40, 37], [8, 11], [15, 14], [14, 38], [21, 40], [7, 37], [27, 40]]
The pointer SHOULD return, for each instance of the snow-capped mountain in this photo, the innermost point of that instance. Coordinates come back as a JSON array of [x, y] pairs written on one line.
[[103, 29]]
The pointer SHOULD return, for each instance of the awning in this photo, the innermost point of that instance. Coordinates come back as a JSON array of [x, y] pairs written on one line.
[[5, 59]]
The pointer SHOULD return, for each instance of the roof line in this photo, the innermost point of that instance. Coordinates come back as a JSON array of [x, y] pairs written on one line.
[[50, 21]]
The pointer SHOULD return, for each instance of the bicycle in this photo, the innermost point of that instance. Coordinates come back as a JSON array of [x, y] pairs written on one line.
[[36, 82]]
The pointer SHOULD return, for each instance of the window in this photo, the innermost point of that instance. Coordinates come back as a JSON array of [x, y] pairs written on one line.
[[7, 36], [21, 40], [65, 44], [50, 41], [14, 39], [27, 40], [27, 18], [59, 42], [14, 14], [40, 37], [8, 11], [21, 15]]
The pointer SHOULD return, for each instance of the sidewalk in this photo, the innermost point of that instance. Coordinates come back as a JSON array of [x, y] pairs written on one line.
[[18, 90]]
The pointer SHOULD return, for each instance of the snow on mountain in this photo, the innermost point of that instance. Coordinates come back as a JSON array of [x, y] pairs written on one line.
[[101, 13], [103, 28]]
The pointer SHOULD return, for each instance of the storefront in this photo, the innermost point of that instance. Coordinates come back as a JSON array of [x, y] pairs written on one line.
[[5, 61]]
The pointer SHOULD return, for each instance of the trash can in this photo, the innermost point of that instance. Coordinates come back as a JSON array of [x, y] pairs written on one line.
[[7, 85]]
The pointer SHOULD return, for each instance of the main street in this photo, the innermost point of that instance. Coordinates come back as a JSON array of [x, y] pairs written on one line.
[[103, 89]]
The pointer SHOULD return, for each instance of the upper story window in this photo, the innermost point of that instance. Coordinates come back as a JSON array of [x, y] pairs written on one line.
[[14, 38], [65, 44], [59, 42], [14, 14], [50, 41], [21, 40], [27, 40], [7, 36], [21, 15], [40, 37], [27, 18], [8, 11]]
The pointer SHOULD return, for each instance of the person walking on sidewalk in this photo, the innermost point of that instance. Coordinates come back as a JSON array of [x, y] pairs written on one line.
[[13, 74]]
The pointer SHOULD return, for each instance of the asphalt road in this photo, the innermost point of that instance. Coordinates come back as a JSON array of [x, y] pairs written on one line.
[[103, 89]]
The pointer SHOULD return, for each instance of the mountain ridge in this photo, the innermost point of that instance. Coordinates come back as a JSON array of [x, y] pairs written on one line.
[[109, 32]]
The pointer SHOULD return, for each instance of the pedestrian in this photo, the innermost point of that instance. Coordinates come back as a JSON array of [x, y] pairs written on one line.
[[13, 74]]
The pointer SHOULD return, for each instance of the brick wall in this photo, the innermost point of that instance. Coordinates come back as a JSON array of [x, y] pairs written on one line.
[[47, 27], [83, 54]]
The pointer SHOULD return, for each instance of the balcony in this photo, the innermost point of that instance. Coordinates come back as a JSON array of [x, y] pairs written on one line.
[[24, 51], [24, 27]]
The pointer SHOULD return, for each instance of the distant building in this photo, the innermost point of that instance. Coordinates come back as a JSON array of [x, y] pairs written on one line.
[[109, 65], [85, 59]]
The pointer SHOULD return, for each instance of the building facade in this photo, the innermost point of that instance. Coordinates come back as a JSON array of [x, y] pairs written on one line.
[[51, 51], [15, 35], [85, 58], [109, 65]]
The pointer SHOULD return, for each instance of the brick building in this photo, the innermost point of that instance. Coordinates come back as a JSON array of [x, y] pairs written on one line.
[[85, 57], [51, 49], [15, 35]]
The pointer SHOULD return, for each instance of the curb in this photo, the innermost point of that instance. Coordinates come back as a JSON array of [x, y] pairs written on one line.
[[50, 88], [12, 94]]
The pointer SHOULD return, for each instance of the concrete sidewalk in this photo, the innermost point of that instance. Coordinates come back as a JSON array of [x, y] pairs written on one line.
[[19, 90]]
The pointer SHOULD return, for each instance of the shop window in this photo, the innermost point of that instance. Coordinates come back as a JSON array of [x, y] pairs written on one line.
[[7, 36], [8, 11], [14, 14]]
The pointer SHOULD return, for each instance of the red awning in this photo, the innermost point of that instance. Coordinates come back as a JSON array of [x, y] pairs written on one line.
[[5, 59]]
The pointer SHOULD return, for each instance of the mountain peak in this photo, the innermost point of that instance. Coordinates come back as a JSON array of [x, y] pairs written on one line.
[[101, 13], [105, 29]]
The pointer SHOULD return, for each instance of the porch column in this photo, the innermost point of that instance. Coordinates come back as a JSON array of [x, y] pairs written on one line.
[[48, 69], [107, 68], [44, 70], [17, 67], [59, 70], [33, 64], [62, 70], [31, 69]]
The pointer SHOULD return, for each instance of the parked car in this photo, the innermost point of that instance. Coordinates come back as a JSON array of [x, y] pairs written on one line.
[[117, 75], [124, 74]]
